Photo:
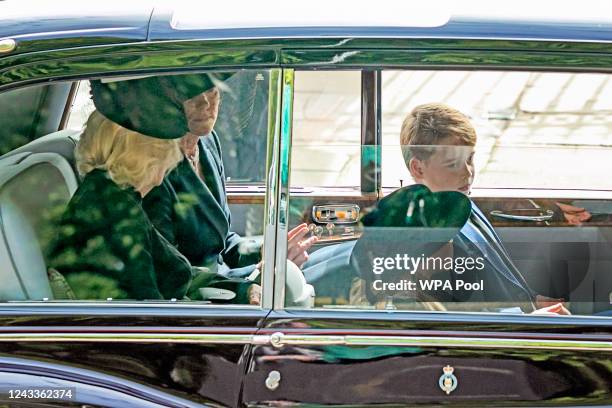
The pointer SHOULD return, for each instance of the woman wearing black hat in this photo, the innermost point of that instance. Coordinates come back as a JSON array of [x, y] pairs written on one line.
[[190, 208], [107, 246]]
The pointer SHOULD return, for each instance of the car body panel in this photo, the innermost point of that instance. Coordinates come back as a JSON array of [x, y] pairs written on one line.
[[80, 386], [37, 29], [410, 375], [455, 25], [130, 59], [388, 358], [126, 60], [195, 354]]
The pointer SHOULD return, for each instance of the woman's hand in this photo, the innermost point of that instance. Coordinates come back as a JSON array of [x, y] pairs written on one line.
[[297, 246]]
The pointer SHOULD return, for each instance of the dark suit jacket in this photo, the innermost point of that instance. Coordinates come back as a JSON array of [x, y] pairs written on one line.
[[194, 215], [503, 282], [107, 247]]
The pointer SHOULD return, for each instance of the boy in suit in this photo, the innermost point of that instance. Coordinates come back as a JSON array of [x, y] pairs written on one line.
[[438, 145]]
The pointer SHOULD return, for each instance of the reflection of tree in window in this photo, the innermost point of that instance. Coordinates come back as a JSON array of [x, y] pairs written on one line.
[[106, 247], [242, 126], [30, 113]]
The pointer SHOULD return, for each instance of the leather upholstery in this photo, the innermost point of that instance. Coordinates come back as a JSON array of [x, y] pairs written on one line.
[[34, 189]]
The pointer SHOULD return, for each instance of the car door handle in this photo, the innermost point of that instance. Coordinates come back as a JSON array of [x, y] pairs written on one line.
[[525, 214], [279, 340]]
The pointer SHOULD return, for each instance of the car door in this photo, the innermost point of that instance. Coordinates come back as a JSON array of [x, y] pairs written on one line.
[[351, 350], [153, 353]]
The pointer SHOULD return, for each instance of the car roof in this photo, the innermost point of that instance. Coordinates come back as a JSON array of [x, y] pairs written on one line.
[[37, 26], [591, 20], [64, 25]]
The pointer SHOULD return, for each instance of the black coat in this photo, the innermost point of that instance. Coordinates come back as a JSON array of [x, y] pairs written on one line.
[[106, 246], [195, 215], [503, 282]]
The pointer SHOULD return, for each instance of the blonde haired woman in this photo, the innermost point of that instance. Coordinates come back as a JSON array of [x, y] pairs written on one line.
[[130, 158], [106, 246]]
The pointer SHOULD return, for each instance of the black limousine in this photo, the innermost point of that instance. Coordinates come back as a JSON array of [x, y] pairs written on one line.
[[396, 205]]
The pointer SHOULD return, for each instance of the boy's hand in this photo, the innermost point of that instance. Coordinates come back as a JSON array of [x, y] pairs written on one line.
[[574, 215], [545, 301], [554, 310]]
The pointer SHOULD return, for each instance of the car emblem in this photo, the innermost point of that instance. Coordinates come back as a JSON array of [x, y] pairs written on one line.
[[448, 382]]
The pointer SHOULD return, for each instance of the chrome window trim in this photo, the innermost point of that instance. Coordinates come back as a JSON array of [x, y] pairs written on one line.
[[9, 307], [131, 337], [104, 309], [444, 342], [272, 182], [282, 193], [280, 340]]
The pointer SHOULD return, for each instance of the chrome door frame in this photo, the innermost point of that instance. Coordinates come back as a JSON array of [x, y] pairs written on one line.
[[279, 194]]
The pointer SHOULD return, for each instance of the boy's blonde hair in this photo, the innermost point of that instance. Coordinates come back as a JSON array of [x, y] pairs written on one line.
[[431, 123], [130, 158]]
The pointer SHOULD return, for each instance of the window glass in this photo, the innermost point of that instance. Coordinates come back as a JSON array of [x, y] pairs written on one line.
[[139, 209], [529, 124], [29, 113], [81, 108], [326, 129], [494, 199], [241, 125]]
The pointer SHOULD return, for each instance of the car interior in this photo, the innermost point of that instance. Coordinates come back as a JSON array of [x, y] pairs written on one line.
[[37, 178]]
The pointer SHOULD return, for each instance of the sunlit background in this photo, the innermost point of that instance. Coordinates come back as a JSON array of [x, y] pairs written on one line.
[[535, 130]]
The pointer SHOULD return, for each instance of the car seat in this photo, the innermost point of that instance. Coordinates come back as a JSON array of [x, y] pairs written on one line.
[[62, 142], [34, 190]]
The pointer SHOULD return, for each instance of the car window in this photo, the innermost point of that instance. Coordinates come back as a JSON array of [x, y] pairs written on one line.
[[81, 106], [120, 206], [241, 125], [493, 198], [31, 112], [326, 129], [547, 119]]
